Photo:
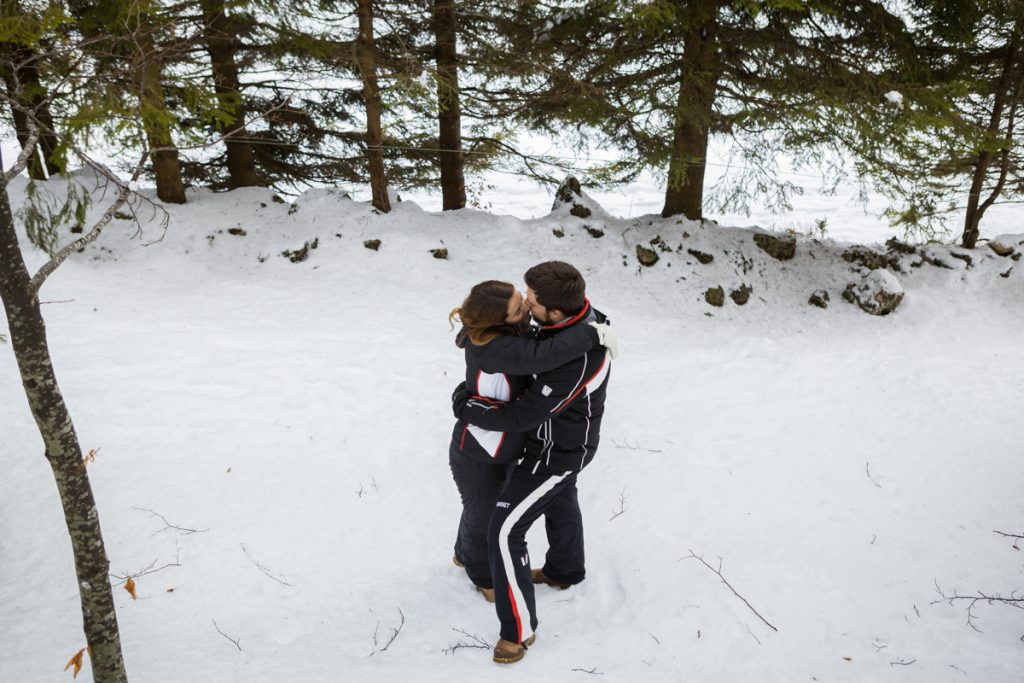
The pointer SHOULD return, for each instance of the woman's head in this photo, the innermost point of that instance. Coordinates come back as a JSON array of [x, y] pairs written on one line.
[[489, 309]]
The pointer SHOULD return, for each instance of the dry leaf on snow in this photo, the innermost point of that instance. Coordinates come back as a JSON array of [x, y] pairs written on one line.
[[76, 662]]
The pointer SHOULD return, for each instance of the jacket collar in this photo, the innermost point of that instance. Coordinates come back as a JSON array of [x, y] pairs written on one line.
[[569, 321]]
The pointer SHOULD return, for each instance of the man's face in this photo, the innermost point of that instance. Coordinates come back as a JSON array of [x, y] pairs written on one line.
[[540, 313], [518, 309]]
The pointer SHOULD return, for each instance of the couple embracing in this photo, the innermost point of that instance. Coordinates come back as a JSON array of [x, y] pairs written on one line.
[[529, 420]]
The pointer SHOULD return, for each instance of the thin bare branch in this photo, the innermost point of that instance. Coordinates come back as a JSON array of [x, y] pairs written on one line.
[[264, 570], [151, 569], [867, 470], [1014, 600], [622, 505], [718, 572], [394, 634], [124, 191], [233, 640], [472, 641], [167, 525]]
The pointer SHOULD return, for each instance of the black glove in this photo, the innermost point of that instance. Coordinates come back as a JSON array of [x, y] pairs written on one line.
[[459, 398]]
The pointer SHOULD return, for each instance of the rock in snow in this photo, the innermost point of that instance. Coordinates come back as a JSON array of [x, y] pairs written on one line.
[[878, 293], [1005, 245], [781, 247], [819, 298], [570, 194]]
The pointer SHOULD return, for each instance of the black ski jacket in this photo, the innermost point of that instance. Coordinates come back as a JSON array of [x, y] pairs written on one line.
[[500, 370], [562, 408]]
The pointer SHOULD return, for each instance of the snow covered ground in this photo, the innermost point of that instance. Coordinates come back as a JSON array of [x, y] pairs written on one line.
[[837, 467]]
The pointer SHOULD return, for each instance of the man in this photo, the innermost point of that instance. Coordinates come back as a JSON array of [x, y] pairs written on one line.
[[561, 413]]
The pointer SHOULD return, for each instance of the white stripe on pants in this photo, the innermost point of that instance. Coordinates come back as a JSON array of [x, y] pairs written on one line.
[[506, 554]]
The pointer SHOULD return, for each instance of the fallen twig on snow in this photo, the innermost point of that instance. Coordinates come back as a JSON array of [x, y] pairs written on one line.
[[263, 569], [474, 642], [902, 663], [233, 640], [168, 526], [718, 572], [1006, 535], [622, 505], [633, 447], [1014, 600], [867, 469], [1003, 533], [394, 634], [151, 569]]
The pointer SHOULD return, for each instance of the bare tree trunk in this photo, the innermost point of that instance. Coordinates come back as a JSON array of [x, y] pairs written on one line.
[[21, 78], [366, 55], [697, 85], [28, 338], [156, 120], [972, 219], [220, 38], [449, 117]]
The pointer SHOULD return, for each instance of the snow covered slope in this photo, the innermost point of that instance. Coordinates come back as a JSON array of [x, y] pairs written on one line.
[[292, 418]]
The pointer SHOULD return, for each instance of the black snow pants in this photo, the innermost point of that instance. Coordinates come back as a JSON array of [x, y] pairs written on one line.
[[479, 485], [533, 490]]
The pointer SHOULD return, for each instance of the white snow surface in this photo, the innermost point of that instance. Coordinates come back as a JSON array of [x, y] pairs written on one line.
[[838, 468], [882, 280]]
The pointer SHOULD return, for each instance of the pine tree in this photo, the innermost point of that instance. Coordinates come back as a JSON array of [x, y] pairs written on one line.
[[449, 117], [220, 37], [367, 59], [970, 145], [121, 33], [658, 79]]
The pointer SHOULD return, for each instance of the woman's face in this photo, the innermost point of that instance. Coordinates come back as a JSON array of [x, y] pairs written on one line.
[[518, 309]]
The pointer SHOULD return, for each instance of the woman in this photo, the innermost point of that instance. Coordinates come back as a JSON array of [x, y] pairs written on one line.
[[500, 359]]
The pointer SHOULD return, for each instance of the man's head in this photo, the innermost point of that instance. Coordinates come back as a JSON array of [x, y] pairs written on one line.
[[554, 291]]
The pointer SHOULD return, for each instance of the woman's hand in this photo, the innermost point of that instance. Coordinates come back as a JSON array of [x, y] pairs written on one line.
[[459, 397]]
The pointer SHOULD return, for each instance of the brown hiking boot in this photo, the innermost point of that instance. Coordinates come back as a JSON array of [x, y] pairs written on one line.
[[456, 562], [539, 576], [488, 593], [507, 652]]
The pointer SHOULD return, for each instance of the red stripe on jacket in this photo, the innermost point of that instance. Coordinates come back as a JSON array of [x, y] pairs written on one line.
[[572, 398]]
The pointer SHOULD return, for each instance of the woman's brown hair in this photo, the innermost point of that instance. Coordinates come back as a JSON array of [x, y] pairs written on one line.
[[484, 312]]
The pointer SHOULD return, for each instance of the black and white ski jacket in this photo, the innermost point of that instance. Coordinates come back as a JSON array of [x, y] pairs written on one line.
[[561, 411], [500, 370]]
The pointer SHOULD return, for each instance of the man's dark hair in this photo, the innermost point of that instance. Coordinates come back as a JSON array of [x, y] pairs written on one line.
[[557, 285]]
